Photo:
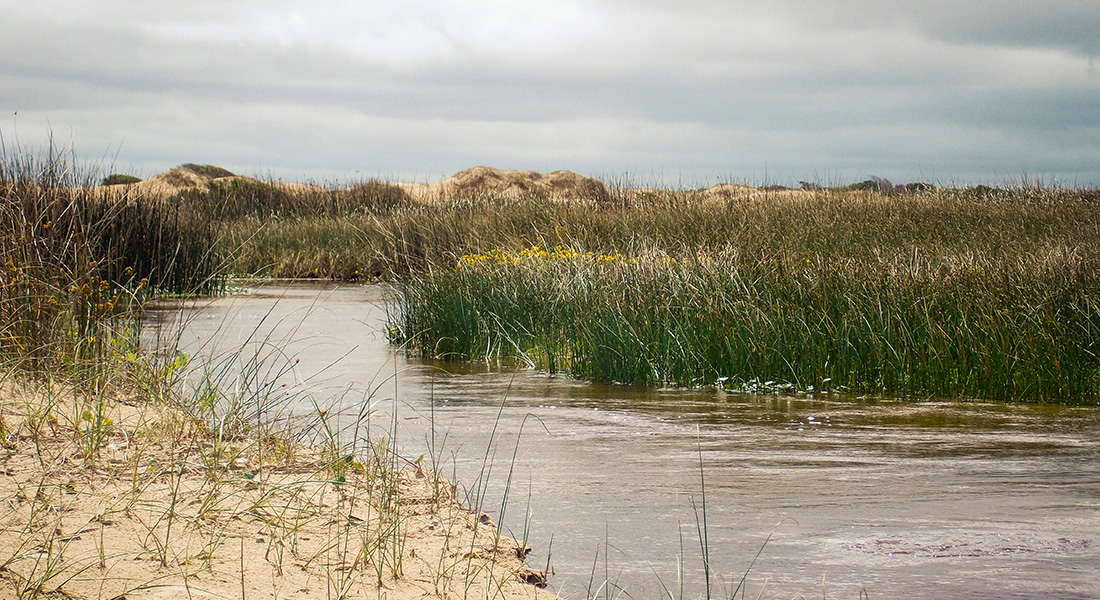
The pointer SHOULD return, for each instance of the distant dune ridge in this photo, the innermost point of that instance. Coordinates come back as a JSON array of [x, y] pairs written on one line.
[[475, 181]]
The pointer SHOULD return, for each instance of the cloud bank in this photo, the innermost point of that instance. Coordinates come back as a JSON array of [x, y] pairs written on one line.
[[690, 92]]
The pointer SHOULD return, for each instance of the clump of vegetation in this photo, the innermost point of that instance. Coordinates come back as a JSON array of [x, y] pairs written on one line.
[[120, 179], [874, 184]]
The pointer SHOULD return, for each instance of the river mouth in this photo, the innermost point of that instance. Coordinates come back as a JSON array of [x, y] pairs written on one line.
[[901, 498]]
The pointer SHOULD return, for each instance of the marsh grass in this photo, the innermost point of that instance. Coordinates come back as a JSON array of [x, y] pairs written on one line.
[[909, 295]]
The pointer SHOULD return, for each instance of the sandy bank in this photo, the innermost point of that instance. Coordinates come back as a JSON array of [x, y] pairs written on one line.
[[131, 499]]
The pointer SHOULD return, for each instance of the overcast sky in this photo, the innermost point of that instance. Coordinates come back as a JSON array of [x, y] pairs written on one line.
[[690, 92]]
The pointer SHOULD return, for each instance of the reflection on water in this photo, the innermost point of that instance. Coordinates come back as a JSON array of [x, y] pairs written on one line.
[[905, 499]]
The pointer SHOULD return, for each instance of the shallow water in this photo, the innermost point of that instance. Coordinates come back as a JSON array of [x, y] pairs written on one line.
[[903, 499]]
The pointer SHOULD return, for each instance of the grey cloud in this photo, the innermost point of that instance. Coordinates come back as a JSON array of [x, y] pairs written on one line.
[[1069, 25], [700, 89]]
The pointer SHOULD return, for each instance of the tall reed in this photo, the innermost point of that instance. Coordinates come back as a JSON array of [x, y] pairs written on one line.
[[946, 295], [74, 258]]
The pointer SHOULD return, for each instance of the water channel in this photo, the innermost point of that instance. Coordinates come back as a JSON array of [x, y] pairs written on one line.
[[900, 499]]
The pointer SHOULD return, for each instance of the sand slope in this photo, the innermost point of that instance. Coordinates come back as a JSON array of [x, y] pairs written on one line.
[[161, 511]]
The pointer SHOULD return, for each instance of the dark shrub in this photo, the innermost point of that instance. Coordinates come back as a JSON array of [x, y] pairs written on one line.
[[120, 179]]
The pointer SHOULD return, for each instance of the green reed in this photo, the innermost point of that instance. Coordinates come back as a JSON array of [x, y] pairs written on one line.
[[944, 295]]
